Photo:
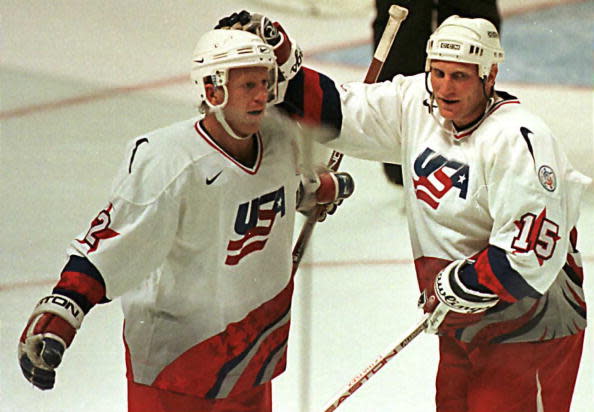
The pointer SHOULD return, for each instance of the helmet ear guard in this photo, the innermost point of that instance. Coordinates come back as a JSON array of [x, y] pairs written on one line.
[[218, 80], [464, 40]]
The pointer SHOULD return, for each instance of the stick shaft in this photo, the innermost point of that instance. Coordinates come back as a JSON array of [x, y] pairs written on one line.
[[378, 364], [397, 16]]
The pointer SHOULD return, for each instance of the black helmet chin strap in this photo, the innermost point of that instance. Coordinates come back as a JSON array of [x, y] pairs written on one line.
[[431, 95]]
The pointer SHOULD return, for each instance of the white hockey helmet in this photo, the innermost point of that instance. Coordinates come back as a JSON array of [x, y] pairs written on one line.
[[465, 40], [218, 51]]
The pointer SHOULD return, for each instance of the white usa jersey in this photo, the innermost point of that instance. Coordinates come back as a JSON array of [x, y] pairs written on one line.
[[199, 247], [501, 192]]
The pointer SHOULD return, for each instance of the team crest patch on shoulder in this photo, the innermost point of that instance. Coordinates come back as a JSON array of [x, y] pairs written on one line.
[[547, 178]]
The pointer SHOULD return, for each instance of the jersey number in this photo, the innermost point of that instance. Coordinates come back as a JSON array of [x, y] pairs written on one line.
[[536, 233], [99, 230]]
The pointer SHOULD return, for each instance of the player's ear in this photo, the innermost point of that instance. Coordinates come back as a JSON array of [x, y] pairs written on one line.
[[215, 95], [492, 76]]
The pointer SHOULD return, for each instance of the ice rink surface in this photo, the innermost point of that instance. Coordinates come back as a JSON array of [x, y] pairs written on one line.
[[80, 79]]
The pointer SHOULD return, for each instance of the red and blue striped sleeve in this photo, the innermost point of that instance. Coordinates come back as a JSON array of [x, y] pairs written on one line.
[[313, 99], [492, 272], [81, 281]]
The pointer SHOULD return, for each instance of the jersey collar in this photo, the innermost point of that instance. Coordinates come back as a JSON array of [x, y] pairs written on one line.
[[208, 139], [501, 99]]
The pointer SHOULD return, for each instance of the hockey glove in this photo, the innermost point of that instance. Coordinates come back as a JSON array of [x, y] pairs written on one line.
[[49, 332], [289, 56], [452, 304], [55, 320], [326, 188]]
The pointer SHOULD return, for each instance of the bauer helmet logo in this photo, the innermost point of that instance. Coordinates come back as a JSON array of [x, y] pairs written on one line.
[[492, 34]]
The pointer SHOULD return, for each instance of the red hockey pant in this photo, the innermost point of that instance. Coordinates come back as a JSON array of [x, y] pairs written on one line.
[[510, 377], [142, 398]]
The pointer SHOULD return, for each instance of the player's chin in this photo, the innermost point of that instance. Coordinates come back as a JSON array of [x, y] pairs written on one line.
[[255, 116], [448, 111]]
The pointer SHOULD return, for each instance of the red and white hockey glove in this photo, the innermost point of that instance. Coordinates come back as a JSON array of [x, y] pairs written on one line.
[[289, 56], [452, 304], [55, 320], [50, 330], [326, 188]]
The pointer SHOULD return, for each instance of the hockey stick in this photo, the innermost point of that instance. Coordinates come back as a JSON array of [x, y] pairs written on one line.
[[397, 16], [379, 363]]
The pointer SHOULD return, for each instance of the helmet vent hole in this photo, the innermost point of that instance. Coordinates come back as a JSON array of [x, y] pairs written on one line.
[[245, 50]]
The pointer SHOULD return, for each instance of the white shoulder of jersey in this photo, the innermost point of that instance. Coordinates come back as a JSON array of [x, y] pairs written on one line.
[[373, 117], [157, 160], [521, 155], [522, 135], [381, 96]]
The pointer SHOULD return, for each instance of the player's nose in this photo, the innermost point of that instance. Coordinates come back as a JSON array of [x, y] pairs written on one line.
[[261, 96]]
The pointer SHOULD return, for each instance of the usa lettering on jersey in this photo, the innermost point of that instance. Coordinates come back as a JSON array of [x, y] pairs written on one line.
[[437, 176], [253, 222]]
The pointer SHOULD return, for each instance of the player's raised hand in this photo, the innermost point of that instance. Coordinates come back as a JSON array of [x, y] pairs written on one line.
[[289, 56], [255, 23], [48, 333]]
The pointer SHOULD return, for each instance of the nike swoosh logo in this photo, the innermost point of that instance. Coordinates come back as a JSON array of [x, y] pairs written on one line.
[[212, 179], [138, 143], [526, 135]]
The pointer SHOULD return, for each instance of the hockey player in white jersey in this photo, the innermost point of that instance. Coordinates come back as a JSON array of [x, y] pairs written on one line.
[[196, 239], [492, 207]]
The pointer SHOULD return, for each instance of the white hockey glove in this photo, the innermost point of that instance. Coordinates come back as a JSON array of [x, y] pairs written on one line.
[[50, 330], [289, 56], [325, 188], [451, 303]]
